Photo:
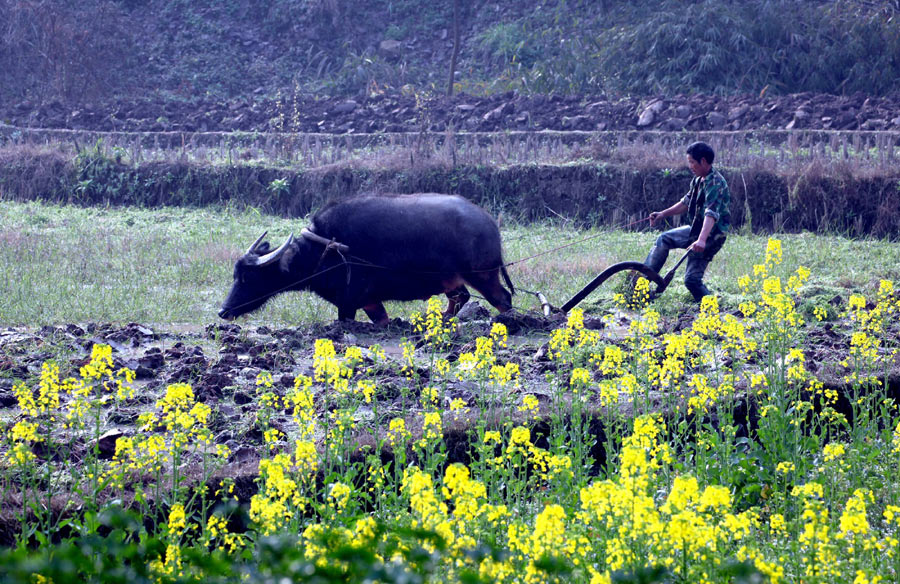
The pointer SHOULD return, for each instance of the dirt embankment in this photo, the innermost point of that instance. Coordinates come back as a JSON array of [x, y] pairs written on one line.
[[509, 111], [811, 198]]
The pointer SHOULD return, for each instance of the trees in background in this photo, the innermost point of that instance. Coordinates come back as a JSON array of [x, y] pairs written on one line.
[[57, 49], [63, 50]]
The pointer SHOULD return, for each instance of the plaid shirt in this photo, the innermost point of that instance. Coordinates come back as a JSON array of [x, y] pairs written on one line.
[[709, 198]]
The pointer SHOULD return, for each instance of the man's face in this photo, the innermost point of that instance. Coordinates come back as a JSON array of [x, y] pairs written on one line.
[[699, 168]]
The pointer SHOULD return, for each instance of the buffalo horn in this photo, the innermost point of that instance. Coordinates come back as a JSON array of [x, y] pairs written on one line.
[[256, 243], [274, 256]]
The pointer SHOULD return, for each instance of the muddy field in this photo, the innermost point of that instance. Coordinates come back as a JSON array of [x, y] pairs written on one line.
[[223, 361]]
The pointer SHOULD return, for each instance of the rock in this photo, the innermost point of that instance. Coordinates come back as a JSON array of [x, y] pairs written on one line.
[[345, 107], [7, 400], [390, 48], [141, 372], [464, 107], [244, 454], [106, 444], [874, 124], [648, 116], [738, 112], [896, 122], [242, 398], [683, 111], [800, 117], [716, 120], [152, 359], [473, 311], [674, 124], [499, 112], [581, 122]]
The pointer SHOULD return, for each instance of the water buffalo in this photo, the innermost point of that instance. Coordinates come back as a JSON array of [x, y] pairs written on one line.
[[362, 251]]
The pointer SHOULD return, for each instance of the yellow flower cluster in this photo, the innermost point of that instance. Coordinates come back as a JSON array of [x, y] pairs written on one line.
[[185, 422], [331, 369], [687, 533], [436, 331], [866, 354], [776, 311], [301, 400], [70, 398], [281, 495], [171, 564], [572, 336]]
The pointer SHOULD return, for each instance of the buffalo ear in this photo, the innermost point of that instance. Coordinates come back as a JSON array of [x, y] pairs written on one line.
[[285, 262]]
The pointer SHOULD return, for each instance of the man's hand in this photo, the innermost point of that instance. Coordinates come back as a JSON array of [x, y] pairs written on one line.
[[698, 246], [654, 217]]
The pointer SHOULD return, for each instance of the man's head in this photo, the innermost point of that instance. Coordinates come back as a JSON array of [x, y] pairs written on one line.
[[700, 158]]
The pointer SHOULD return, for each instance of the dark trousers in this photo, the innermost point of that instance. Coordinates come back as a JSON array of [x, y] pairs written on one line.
[[681, 238]]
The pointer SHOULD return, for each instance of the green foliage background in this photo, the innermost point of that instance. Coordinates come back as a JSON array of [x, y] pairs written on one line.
[[108, 48]]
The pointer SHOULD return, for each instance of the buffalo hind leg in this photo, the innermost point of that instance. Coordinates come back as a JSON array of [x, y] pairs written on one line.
[[488, 283], [456, 298], [377, 313]]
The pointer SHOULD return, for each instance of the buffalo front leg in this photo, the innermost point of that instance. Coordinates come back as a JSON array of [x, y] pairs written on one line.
[[346, 313], [377, 313], [456, 298]]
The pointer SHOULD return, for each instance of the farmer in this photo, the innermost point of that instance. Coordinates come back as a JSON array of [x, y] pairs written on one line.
[[707, 203]]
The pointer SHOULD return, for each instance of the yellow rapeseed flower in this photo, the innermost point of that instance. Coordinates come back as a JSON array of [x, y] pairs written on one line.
[[530, 405]]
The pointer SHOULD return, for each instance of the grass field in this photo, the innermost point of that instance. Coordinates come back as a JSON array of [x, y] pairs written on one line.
[[173, 266]]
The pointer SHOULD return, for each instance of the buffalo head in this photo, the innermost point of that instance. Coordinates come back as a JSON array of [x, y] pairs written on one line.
[[258, 276]]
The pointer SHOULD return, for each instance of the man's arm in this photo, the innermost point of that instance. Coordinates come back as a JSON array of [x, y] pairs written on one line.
[[676, 209], [708, 223]]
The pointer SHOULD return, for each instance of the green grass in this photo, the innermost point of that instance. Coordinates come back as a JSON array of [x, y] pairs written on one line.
[[173, 266]]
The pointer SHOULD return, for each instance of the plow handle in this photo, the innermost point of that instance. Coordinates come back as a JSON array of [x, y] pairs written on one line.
[[670, 275]]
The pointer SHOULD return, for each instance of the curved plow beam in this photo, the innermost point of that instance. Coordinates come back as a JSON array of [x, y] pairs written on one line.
[[643, 269]]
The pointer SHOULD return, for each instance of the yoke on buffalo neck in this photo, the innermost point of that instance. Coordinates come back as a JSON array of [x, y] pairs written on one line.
[[306, 233]]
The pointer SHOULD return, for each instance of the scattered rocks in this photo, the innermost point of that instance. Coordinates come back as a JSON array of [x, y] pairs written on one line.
[[403, 112]]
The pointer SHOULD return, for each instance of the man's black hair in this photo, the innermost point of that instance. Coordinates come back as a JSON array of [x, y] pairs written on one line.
[[700, 150]]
